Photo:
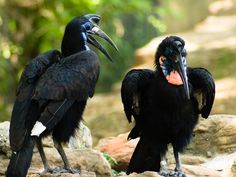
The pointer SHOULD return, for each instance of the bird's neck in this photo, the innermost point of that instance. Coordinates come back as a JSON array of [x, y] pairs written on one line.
[[84, 41], [74, 44]]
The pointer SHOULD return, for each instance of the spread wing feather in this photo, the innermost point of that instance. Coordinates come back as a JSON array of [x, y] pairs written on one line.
[[203, 88], [132, 86]]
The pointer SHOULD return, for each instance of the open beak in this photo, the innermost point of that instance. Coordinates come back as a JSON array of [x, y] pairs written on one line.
[[94, 42], [179, 66], [96, 30]]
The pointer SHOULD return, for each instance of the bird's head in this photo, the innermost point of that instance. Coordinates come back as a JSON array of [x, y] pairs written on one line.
[[170, 60], [79, 31]]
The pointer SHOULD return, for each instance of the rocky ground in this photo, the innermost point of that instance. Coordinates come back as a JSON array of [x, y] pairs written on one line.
[[211, 44], [211, 153]]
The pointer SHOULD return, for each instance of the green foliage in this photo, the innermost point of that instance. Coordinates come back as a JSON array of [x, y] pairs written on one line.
[[28, 28], [110, 159], [115, 172], [112, 162]]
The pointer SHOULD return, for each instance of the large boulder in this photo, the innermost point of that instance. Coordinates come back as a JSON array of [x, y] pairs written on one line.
[[215, 135], [212, 146], [89, 161]]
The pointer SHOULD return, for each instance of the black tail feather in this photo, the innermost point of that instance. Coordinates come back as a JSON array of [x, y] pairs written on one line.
[[20, 161], [146, 157]]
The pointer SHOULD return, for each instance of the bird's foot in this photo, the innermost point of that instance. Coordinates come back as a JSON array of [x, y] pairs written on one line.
[[59, 170], [72, 170], [164, 173], [45, 171], [177, 174], [163, 168]]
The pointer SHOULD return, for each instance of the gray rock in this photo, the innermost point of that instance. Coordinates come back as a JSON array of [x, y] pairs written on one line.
[[82, 139], [144, 174], [215, 135], [224, 163], [4, 138]]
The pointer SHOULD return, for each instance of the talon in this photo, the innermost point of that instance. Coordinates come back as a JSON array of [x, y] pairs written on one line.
[[177, 174], [73, 170], [59, 170], [164, 173], [45, 171]]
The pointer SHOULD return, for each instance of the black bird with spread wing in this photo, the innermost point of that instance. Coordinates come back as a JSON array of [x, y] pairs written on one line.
[[52, 94], [165, 104]]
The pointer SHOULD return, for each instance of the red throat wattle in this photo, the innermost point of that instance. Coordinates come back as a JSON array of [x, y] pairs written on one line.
[[172, 76]]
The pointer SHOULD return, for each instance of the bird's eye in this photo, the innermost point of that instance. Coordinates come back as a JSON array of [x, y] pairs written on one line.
[[87, 26]]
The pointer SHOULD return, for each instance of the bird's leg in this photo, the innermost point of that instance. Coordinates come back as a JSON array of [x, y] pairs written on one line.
[[163, 166], [43, 157], [59, 148], [177, 161], [178, 169], [67, 167]]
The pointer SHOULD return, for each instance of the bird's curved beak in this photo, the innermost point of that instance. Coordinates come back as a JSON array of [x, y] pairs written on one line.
[[96, 30], [179, 66]]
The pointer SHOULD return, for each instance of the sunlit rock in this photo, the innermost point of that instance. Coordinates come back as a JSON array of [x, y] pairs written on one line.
[[4, 138]]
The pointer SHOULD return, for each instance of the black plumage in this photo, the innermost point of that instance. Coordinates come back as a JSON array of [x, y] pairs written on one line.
[[165, 104], [52, 95]]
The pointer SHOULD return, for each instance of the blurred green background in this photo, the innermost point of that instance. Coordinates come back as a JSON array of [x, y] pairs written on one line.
[[28, 28], [31, 27]]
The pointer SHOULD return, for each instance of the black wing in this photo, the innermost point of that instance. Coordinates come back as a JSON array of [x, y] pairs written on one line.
[[203, 89], [73, 78], [25, 90], [132, 86]]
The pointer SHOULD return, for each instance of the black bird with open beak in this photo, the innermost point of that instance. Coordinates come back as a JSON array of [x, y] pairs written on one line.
[[80, 31], [52, 95]]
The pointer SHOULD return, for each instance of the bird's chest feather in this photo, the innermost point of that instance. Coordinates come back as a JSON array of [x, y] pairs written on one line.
[[166, 96], [168, 110]]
